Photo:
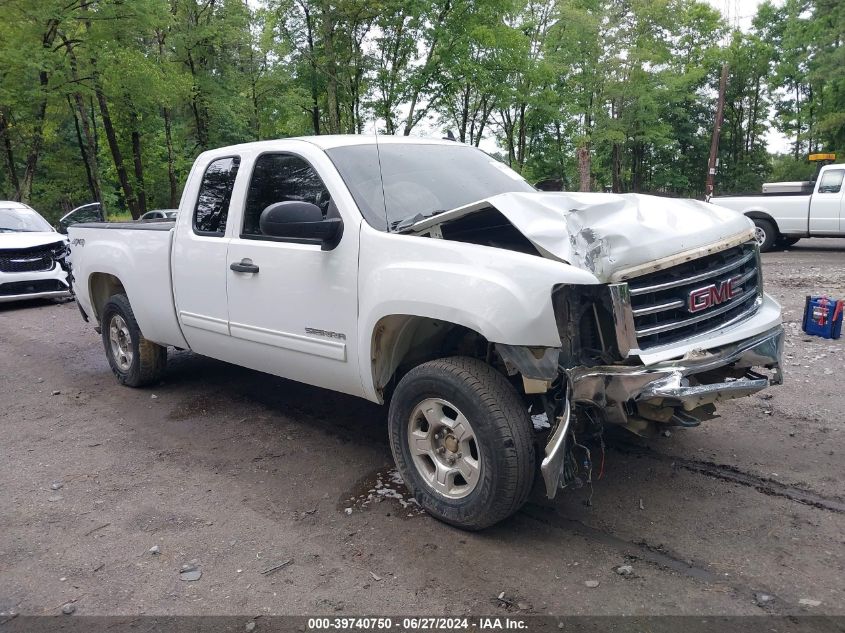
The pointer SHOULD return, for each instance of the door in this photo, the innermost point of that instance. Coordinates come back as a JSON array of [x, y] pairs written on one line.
[[826, 206], [86, 213], [293, 305], [199, 258]]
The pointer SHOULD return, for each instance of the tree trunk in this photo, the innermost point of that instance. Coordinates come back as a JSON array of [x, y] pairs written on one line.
[[752, 122], [93, 114], [414, 117], [584, 167], [198, 107], [171, 170], [82, 120], [520, 152], [90, 148], [8, 152], [637, 167], [797, 122], [83, 150], [616, 168], [332, 104], [111, 136], [25, 186], [487, 106], [508, 129], [139, 164], [256, 121], [315, 103], [464, 120], [173, 198]]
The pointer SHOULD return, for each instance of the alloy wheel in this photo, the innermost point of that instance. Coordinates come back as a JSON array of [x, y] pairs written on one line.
[[444, 449], [121, 343]]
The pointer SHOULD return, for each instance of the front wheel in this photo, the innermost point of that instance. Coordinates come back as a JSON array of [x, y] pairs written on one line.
[[134, 360], [462, 441], [765, 233]]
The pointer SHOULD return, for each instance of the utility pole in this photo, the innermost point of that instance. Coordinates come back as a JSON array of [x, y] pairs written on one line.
[[717, 129]]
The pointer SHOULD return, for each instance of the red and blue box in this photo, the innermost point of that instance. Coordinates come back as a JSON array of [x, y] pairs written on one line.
[[823, 316]]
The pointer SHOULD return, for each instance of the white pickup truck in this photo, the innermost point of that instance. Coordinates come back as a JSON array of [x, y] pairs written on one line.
[[504, 326], [781, 219]]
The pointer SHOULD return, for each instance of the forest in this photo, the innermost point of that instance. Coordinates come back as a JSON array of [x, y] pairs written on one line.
[[111, 100]]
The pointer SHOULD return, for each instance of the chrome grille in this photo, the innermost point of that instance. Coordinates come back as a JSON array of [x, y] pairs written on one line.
[[695, 297], [29, 259]]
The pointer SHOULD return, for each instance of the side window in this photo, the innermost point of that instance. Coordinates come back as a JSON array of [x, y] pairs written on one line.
[[278, 178], [214, 196], [87, 215], [832, 181]]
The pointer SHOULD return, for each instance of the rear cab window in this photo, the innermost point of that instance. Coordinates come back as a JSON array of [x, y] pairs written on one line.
[[215, 194]]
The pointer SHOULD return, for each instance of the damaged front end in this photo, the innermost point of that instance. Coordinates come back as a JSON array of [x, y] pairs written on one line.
[[606, 372], [677, 323], [680, 392]]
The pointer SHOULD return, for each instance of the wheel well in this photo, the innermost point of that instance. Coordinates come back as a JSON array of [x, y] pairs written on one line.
[[401, 342], [101, 287], [760, 215]]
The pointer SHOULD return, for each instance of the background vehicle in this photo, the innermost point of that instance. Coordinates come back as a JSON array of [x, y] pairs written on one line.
[[791, 211], [159, 214], [92, 212], [32, 255], [504, 326]]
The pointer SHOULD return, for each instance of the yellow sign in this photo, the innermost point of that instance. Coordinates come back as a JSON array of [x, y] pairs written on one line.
[[815, 157]]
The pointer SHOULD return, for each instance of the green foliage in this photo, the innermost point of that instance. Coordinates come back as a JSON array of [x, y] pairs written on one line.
[[786, 168], [112, 100]]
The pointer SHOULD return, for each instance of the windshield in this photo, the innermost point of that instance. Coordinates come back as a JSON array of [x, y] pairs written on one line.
[[419, 180], [22, 220]]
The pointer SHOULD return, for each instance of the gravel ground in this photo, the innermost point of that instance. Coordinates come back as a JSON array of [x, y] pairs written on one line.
[[235, 472]]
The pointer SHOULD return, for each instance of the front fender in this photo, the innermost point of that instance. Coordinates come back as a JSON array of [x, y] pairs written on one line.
[[503, 295]]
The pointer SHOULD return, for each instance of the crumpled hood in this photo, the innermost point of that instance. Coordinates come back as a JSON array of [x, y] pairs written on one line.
[[608, 234], [29, 239]]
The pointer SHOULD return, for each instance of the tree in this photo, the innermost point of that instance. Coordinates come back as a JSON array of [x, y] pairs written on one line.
[[111, 101]]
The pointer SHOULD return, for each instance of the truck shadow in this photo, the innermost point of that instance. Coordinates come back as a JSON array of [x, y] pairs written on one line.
[[834, 245], [29, 304], [219, 385]]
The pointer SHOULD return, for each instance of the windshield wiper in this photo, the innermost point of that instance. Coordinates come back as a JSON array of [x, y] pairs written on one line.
[[401, 225]]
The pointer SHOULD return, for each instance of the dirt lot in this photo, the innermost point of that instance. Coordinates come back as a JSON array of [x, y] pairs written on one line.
[[239, 472]]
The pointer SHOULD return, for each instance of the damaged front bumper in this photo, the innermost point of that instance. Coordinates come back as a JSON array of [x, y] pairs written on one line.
[[669, 393]]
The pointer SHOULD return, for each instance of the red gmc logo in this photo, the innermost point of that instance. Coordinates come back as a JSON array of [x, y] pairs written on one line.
[[712, 295]]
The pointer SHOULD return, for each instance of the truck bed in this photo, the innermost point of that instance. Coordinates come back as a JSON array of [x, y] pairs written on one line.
[[790, 211], [138, 254]]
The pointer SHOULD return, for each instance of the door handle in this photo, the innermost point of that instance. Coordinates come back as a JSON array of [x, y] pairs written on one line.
[[244, 266]]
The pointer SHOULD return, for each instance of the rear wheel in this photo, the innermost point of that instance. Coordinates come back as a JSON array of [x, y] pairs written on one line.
[[462, 441], [134, 360], [765, 233]]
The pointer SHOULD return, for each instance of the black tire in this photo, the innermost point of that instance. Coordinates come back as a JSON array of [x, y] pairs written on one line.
[[503, 437], [148, 359], [766, 234], [786, 242]]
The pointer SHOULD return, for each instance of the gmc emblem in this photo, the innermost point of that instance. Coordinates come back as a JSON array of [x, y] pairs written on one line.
[[712, 295]]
